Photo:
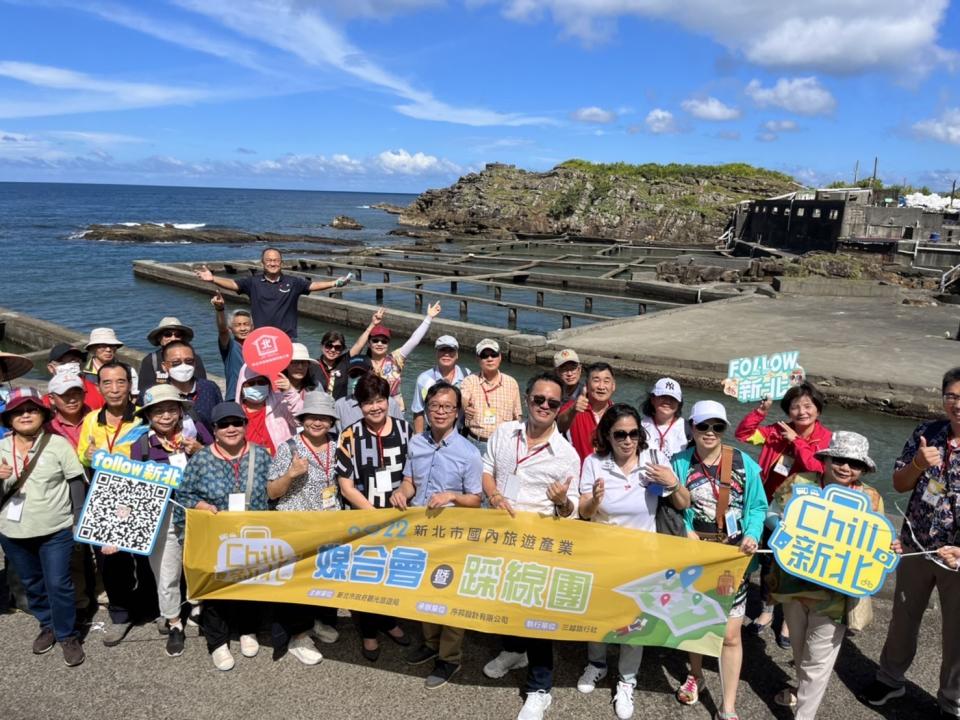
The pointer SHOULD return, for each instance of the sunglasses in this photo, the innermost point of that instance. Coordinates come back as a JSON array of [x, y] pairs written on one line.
[[708, 427], [333, 346], [489, 354], [446, 351], [849, 462], [185, 361], [541, 400], [172, 333], [229, 423], [379, 340], [258, 381], [621, 435], [28, 409]]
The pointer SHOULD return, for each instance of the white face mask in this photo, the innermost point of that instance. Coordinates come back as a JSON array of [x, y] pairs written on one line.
[[255, 393], [70, 368], [181, 373]]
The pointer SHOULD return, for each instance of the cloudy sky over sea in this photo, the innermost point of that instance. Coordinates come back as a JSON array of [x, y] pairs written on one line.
[[401, 95]]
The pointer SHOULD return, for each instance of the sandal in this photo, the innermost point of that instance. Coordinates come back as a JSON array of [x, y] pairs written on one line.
[[689, 692], [786, 697], [727, 715]]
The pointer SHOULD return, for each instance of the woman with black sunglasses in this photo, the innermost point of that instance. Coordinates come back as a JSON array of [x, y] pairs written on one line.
[[727, 505], [333, 361], [622, 483]]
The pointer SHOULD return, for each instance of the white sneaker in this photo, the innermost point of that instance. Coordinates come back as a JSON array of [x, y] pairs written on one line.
[[504, 663], [303, 649], [623, 700], [325, 633], [591, 676], [223, 658], [249, 645], [535, 706]]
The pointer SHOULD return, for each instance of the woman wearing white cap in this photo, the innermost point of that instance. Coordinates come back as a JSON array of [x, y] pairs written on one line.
[[727, 505], [662, 412], [101, 349]]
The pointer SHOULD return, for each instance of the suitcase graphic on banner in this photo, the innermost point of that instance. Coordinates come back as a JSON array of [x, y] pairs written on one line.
[[255, 557]]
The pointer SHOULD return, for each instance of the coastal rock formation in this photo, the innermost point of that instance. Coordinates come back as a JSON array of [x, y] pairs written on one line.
[[150, 233], [345, 222], [658, 203], [388, 208]]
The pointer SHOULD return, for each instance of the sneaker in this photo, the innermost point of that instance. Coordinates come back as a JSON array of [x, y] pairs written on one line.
[[115, 633], [325, 633], [249, 645], [303, 649], [689, 692], [504, 663], [73, 653], [175, 640], [420, 655], [879, 693], [591, 676], [441, 674], [623, 700], [223, 658], [44, 642], [536, 704], [163, 626], [193, 619]]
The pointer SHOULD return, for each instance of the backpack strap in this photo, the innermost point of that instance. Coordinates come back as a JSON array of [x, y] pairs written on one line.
[[723, 500], [140, 450]]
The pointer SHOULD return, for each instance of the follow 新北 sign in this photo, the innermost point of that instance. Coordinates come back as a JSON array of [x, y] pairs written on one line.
[[750, 379]]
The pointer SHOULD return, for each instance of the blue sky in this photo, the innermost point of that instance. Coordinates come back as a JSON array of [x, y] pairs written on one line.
[[402, 95]]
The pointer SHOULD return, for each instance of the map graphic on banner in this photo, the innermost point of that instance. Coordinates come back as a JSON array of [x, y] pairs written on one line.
[[751, 379], [476, 569], [832, 538], [126, 502]]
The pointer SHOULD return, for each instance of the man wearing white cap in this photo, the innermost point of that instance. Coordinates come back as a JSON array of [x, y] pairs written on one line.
[[489, 397], [66, 400], [167, 331], [662, 421], [446, 369], [566, 363]]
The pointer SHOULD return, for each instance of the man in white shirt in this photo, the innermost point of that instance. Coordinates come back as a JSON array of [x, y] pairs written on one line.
[[530, 467]]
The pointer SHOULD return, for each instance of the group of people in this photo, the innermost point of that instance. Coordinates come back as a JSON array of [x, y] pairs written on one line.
[[331, 433]]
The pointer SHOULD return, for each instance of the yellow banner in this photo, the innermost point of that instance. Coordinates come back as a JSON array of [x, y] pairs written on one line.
[[476, 569]]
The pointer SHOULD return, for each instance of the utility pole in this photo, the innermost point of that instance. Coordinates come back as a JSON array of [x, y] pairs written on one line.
[[856, 172], [873, 180], [953, 191]]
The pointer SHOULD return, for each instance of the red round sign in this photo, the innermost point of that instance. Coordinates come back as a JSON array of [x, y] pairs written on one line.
[[267, 351]]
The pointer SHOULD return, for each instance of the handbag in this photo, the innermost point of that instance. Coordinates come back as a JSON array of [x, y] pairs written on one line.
[[859, 613]]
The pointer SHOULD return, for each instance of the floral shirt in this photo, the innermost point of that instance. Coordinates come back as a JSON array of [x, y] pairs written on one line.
[[318, 489], [933, 512]]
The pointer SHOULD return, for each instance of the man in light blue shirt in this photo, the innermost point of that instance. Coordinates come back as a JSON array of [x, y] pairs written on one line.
[[448, 352], [443, 469]]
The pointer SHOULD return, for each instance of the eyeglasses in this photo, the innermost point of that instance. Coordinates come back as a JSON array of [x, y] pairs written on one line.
[[541, 400], [715, 427], [950, 398], [333, 346], [621, 435], [185, 361], [379, 340], [849, 462], [229, 423], [489, 355], [443, 409], [172, 333]]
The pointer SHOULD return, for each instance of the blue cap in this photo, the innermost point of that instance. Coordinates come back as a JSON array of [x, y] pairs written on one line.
[[227, 410]]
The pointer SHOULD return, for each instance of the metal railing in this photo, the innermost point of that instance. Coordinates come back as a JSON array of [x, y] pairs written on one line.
[[949, 277]]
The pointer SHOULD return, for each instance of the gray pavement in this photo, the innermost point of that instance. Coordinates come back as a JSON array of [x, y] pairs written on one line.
[[135, 680]]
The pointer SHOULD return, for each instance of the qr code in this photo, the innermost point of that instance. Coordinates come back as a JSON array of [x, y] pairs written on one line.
[[124, 512]]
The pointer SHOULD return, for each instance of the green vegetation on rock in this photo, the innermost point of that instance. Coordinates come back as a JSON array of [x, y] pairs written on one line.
[[654, 171]]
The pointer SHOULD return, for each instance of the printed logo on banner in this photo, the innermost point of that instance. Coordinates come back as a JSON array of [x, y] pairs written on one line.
[[832, 538], [672, 597], [753, 379], [255, 557]]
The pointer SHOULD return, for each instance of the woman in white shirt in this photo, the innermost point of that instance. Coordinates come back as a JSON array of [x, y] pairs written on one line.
[[663, 418], [621, 484]]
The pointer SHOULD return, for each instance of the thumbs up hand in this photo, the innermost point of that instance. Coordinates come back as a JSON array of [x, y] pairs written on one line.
[[5, 470], [927, 456]]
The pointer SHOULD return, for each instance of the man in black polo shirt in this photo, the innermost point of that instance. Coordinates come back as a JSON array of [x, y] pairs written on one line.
[[273, 295]]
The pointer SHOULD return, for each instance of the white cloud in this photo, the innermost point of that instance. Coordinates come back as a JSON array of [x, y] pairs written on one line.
[[710, 109], [803, 96], [95, 138], [402, 162], [945, 128], [779, 126], [296, 29], [822, 35], [660, 122], [593, 114]]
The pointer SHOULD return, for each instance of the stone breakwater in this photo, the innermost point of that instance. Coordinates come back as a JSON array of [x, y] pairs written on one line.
[[171, 234]]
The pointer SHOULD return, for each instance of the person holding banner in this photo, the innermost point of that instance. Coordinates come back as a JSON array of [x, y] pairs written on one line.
[[817, 616], [370, 462], [622, 483], [166, 442], [530, 467], [269, 413], [41, 493], [727, 505], [443, 470], [663, 417], [929, 469]]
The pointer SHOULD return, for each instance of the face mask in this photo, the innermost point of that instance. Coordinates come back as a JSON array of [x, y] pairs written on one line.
[[70, 368], [181, 373], [255, 393]]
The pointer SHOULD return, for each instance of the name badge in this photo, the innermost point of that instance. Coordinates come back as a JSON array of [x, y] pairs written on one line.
[[511, 488], [15, 508], [382, 482], [782, 467], [328, 499], [731, 519], [489, 416], [237, 502], [934, 491], [178, 460]]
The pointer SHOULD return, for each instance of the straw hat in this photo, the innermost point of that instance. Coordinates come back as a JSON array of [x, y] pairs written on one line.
[[300, 352], [102, 336], [160, 394], [169, 323], [13, 366]]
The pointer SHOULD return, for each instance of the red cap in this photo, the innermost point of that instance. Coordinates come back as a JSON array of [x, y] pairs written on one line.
[[380, 331]]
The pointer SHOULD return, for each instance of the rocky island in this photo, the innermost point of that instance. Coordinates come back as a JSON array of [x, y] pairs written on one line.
[[672, 204], [153, 233], [345, 222]]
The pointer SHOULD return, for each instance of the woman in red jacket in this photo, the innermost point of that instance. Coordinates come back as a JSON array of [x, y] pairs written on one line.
[[788, 448]]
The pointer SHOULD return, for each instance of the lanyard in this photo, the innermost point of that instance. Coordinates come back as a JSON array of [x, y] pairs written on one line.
[[26, 461], [521, 460], [486, 393], [234, 463], [116, 434], [663, 435], [706, 473], [325, 468], [379, 436]]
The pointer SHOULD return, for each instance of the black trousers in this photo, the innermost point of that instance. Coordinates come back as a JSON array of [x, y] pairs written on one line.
[[370, 624], [540, 658], [221, 618], [131, 589]]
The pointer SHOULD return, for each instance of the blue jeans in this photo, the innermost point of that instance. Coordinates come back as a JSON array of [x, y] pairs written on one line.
[[43, 564], [540, 658]]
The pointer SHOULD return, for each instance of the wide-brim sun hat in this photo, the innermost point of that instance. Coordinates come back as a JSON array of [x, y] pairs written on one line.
[[708, 410], [22, 396], [102, 336], [13, 366], [160, 394], [849, 445], [318, 403], [300, 352], [169, 323]]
